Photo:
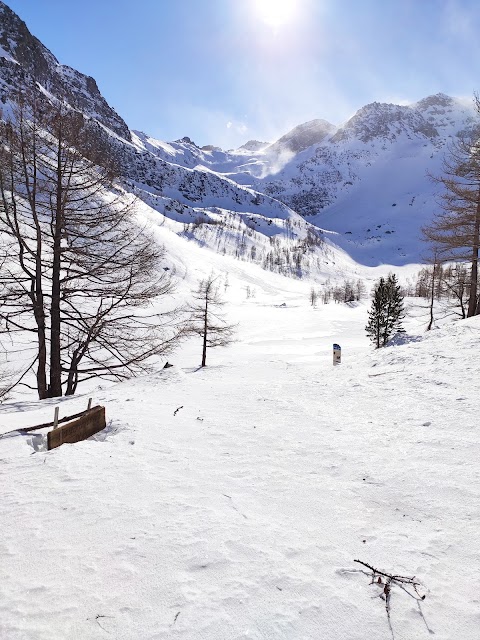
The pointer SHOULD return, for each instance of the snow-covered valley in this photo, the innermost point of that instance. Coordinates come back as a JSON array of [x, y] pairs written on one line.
[[232, 501]]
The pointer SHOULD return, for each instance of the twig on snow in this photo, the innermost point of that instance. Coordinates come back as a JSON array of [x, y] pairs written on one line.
[[388, 580], [97, 617]]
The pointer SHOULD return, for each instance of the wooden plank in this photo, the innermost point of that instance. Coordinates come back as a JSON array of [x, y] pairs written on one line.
[[23, 430], [91, 422]]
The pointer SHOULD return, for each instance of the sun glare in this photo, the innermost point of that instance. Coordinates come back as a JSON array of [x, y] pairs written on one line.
[[276, 13]]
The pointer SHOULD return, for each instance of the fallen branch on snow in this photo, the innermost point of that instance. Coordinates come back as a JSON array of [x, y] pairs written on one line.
[[408, 584]]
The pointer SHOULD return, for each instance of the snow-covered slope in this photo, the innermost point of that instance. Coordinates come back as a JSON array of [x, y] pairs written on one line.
[[231, 502], [24, 60]]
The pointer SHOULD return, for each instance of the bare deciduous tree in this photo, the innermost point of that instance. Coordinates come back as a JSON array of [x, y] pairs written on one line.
[[206, 319], [455, 230], [456, 286], [81, 271], [435, 284]]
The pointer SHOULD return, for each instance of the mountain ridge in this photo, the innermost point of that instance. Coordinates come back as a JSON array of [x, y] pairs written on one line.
[[25, 61], [365, 181]]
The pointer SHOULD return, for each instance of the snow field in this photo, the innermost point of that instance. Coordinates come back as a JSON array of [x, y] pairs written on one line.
[[240, 515]]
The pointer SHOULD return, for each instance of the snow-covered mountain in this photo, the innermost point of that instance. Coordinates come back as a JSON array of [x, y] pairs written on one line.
[[365, 182], [196, 190], [303, 136], [369, 182], [24, 60]]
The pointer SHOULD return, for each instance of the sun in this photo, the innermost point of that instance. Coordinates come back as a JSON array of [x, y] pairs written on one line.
[[276, 13]]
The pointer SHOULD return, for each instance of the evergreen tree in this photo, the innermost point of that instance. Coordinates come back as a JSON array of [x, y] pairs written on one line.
[[386, 314]]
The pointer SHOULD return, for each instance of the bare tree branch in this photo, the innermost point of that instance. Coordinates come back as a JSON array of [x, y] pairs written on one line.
[[83, 273]]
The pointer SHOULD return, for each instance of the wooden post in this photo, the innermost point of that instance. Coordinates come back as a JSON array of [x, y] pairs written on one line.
[[337, 354], [55, 418]]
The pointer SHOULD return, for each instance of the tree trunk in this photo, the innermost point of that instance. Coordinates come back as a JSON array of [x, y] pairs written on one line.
[[472, 302], [42, 351], [55, 320], [39, 303], [432, 294], [205, 330], [72, 379]]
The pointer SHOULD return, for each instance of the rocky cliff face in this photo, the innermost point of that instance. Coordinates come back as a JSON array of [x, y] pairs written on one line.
[[446, 114], [24, 60], [386, 121]]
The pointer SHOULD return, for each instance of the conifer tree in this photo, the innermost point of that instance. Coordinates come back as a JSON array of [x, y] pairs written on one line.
[[386, 313]]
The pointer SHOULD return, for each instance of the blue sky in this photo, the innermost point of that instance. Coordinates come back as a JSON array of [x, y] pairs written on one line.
[[226, 71]]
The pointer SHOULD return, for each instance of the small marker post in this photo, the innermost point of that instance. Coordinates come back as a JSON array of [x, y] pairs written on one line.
[[337, 354], [55, 418]]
